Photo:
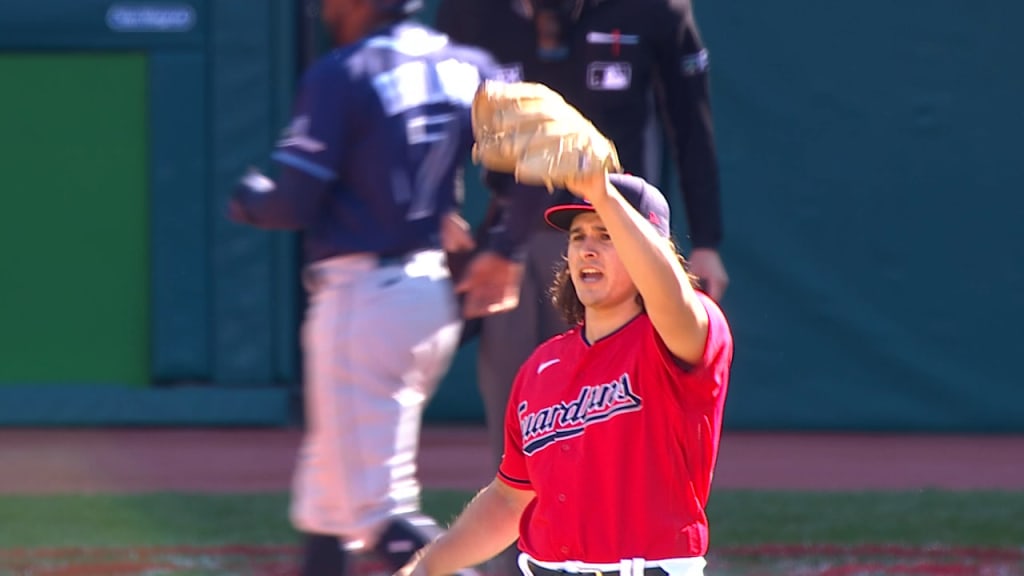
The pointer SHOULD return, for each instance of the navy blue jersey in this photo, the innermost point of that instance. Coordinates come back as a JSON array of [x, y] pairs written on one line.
[[379, 131]]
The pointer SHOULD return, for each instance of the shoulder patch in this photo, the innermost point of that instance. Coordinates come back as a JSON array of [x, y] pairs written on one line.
[[694, 64], [297, 135]]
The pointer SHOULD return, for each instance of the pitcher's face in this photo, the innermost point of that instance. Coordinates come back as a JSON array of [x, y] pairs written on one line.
[[600, 278]]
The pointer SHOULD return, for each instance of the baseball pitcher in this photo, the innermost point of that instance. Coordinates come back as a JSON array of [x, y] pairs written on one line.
[[612, 428]]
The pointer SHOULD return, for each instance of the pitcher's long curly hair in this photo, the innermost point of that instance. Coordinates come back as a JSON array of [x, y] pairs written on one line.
[[563, 293]]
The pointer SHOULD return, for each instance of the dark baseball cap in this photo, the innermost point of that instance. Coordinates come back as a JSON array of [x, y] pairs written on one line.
[[642, 196]]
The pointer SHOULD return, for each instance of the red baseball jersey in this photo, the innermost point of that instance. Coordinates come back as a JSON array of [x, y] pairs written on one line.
[[619, 440]]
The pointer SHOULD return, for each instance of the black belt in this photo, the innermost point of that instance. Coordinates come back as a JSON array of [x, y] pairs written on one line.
[[542, 571]]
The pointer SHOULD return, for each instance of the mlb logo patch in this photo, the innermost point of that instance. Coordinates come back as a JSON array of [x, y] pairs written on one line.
[[609, 75]]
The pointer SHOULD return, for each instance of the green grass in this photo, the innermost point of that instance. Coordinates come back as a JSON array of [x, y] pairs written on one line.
[[738, 518], [165, 519], [912, 518], [142, 520]]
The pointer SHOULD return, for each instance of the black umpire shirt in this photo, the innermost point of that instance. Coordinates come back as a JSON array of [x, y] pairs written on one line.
[[618, 51]]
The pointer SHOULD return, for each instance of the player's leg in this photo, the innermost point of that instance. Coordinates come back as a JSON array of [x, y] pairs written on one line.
[[507, 340], [403, 536], [323, 555], [429, 341], [313, 483], [394, 334], [498, 359]]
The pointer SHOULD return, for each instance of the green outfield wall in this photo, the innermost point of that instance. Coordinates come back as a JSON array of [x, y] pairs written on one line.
[[74, 229], [127, 298]]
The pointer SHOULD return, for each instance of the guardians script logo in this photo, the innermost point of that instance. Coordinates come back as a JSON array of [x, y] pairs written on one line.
[[594, 404]]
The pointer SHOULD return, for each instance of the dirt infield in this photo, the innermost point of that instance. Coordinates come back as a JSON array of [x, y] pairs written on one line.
[[42, 461], [801, 560], [244, 460]]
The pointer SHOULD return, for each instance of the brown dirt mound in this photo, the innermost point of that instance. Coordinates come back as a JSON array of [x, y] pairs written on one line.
[[50, 461]]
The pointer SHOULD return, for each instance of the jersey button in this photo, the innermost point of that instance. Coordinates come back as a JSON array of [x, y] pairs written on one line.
[[565, 549], [561, 497], [565, 447]]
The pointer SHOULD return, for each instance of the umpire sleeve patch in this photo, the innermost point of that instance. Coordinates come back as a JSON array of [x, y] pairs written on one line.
[[694, 64]]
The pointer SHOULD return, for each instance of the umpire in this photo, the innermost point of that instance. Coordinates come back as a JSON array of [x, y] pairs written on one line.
[[607, 58], [617, 61]]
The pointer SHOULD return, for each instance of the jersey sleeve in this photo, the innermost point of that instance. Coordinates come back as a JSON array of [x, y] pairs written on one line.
[[316, 139], [307, 156], [718, 348], [513, 470], [705, 379], [682, 75]]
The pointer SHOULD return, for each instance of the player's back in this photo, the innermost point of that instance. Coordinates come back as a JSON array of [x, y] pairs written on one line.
[[403, 98]]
